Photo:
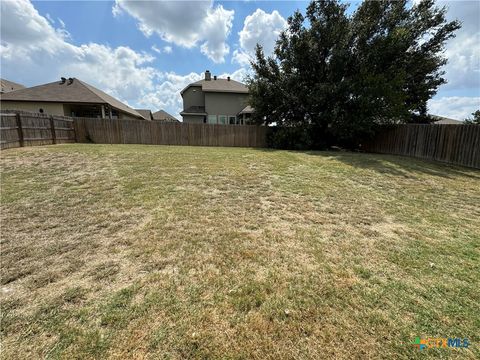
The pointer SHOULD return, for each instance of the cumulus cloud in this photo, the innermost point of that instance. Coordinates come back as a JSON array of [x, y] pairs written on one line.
[[455, 107], [183, 23], [31, 43], [262, 28], [463, 52], [165, 50], [166, 95]]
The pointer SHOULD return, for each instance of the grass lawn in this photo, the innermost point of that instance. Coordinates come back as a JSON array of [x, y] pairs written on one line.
[[125, 251]]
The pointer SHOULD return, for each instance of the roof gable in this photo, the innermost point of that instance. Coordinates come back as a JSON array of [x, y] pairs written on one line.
[[163, 115], [146, 114], [7, 86]]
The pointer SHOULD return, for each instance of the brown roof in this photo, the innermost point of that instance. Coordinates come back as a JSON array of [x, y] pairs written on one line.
[[219, 85], [146, 114], [164, 116], [75, 92], [442, 120], [8, 86]]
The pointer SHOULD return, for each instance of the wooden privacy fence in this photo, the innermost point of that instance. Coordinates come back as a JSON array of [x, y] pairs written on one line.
[[113, 131], [453, 144], [27, 129]]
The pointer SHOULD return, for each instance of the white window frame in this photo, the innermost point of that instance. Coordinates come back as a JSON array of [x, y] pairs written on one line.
[[212, 116], [226, 119]]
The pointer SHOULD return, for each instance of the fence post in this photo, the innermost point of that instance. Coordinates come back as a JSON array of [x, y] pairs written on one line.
[[19, 129], [52, 128]]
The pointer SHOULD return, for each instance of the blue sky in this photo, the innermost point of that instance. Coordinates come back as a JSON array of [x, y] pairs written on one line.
[[144, 53]]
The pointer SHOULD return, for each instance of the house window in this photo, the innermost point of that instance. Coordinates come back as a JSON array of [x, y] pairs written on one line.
[[222, 119], [212, 119], [239, 120], [232, 120]]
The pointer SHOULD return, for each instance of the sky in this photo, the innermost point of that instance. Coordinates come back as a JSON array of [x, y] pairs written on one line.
[[145, 52]]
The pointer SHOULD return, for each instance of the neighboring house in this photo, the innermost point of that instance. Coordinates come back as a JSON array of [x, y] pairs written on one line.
[[7, 86], [147, 114], [216, 101], [68, 97], [164, 116], [441, 120]]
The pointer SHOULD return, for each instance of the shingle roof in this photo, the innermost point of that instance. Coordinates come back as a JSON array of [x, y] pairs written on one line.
[[219, 85], [146, 114], [247, 110], [163, 115], [7, 86], [441, 120], [76, 92]]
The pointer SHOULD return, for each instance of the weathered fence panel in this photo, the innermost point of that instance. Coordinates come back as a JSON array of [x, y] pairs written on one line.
[[453, 144], [121, 131], [19, 128]]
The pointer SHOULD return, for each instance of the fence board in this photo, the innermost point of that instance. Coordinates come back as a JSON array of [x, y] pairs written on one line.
[[20, 128], [453, 144], [122, 131]]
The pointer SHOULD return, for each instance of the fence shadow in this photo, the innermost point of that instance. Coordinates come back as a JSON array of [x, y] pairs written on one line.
[[396, 165], [401, 165]]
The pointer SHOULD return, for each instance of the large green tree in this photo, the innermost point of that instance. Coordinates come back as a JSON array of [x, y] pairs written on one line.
[[336, 76]]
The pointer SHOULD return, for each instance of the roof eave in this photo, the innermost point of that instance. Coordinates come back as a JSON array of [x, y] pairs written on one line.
[[189, 85], [187, 113], [226, 91]]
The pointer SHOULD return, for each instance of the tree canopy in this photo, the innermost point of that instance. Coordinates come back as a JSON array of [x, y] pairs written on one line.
[[334, 77]]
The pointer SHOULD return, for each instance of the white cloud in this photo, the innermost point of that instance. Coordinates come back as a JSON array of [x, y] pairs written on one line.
[[455, 107], [183, 23], [30, 43], [166, 49], [238, 75], [463, 51], [49, 18], [462, 71], [262, 28], [166, 95], [156, 49]]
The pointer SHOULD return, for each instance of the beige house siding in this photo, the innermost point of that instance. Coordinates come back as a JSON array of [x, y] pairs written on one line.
[[48, 107], [224, 103], [193, 96]]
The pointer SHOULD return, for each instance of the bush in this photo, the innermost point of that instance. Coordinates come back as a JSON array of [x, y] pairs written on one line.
[[289, 138]]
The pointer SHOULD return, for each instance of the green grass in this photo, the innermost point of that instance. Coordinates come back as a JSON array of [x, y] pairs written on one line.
[[154, 252]]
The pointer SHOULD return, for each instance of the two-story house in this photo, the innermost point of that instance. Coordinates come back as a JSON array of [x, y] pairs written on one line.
[[216, 101]]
